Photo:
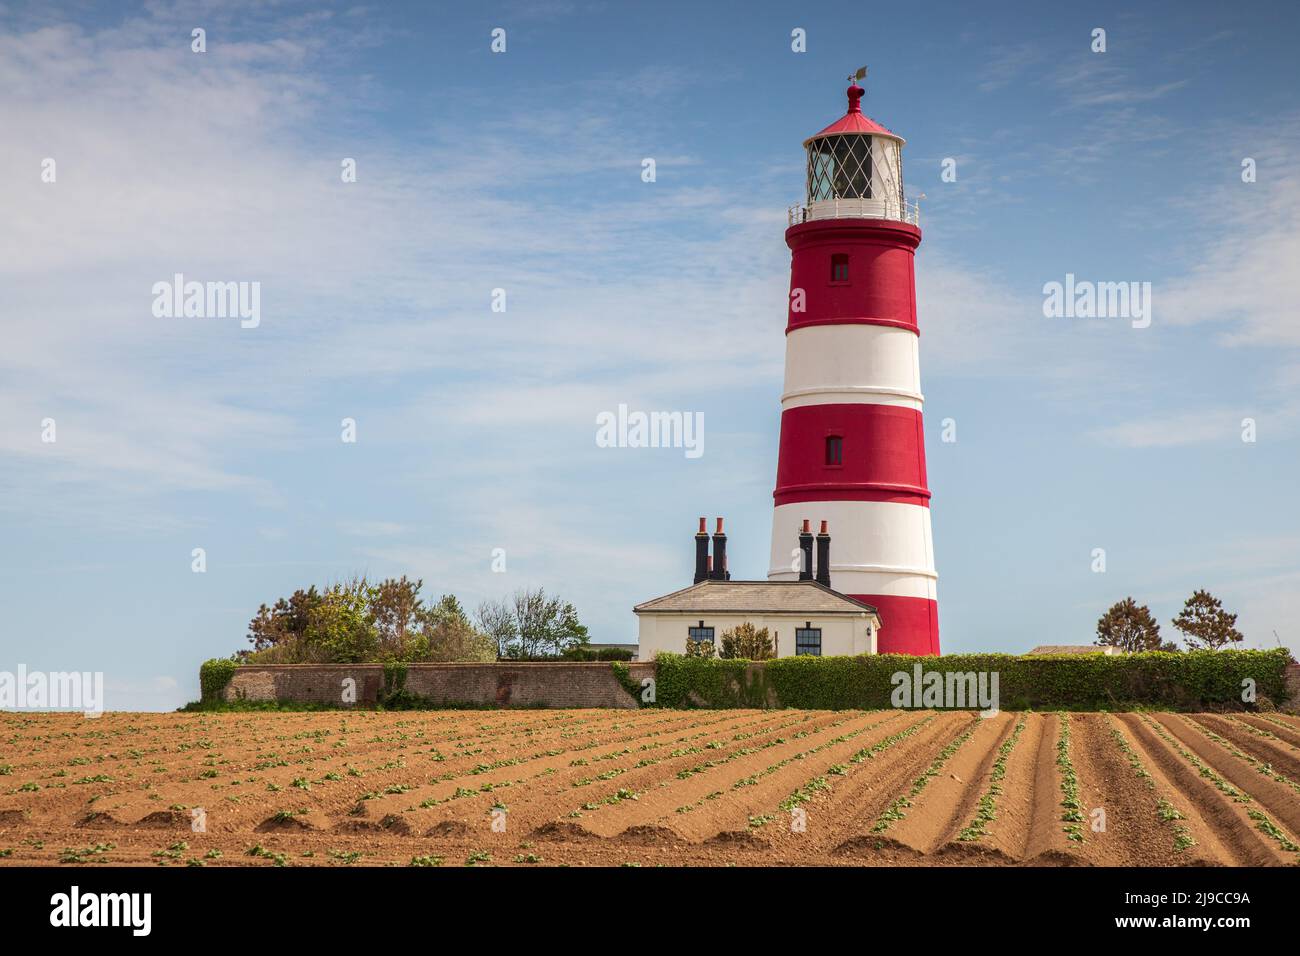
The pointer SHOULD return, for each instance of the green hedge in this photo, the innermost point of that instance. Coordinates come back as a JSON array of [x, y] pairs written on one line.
[[604, 654], [214, 676], [623, 674], [1180, 681]]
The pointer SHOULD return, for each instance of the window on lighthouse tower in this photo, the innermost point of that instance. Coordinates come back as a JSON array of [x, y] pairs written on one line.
[[834, 450], [840, 268], [839, 167]]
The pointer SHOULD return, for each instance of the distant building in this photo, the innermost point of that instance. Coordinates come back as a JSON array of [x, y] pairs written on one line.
[[805, 616], [1106, 649]]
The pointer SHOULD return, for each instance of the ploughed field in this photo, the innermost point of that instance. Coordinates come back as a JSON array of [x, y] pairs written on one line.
[[650, 787]]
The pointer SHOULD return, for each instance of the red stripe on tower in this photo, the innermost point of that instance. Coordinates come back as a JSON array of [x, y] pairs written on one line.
[[852, 447]]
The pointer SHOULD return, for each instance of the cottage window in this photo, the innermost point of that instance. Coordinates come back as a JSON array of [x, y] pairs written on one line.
[[808, 640], [700, 633]]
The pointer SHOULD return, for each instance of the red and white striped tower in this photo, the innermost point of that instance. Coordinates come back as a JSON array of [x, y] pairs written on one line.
[[852, 447]]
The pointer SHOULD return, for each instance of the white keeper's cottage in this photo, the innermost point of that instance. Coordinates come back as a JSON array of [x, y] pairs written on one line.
[[805, 616]]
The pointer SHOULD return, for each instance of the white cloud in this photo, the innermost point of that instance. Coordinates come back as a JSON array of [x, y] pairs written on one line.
[[373, 529], [1168, 431], [1247, 284], [221, 168]]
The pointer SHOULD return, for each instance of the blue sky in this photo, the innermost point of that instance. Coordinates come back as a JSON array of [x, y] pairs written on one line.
[[522, 171]]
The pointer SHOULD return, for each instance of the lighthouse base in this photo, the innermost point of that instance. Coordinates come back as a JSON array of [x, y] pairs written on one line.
[[908, 625]]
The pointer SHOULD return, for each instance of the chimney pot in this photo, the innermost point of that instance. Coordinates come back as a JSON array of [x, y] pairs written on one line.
[[806, 551], [719, 571], [701, 553], [824, 557]]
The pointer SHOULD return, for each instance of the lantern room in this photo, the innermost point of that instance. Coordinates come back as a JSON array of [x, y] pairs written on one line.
[[855, 169]]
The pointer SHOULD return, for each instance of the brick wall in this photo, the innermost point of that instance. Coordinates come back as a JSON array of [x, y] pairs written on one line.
[[498, 684], [1292, 701]]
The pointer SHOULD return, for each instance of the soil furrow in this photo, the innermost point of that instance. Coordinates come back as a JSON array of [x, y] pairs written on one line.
[[908, 825], [1127, 831], [1279, 800], [655, 814], [294, 790], [1285, 736], [1193, 839], [1277, 754], [465, 802], [1007, 835], [782, 804], [873, 782], [948, 801], [604, 787], [1205, 801]]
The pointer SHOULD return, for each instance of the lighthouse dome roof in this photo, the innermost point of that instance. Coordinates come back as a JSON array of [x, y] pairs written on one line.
[[854, 121]]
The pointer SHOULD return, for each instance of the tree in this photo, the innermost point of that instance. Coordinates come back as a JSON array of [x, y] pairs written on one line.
[[1205, 624], [286, 622], [447, 610], [496, 619], [449, 638], [446, 634], [1130, 627], [566, 632], [532, 624], [745, 643], [342, 626], [396, 608], [544, 626], [355, 621]]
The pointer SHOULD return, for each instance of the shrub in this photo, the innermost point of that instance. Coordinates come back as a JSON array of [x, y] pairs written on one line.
[[682, 681], [587, 654], [1191, 680], [214, 677], [453, 639], [343, 626], [745, 642], [355, 622], [703, 648], [623, 674]]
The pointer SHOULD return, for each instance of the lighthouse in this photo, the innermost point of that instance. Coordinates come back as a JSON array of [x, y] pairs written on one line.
[[852, 447]]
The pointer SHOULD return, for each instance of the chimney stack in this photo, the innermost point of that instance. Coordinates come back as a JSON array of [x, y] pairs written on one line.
[[824, 556], [719, 555], [805, 547], [701, 553]]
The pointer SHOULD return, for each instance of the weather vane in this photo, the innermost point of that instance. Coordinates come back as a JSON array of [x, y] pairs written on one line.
[[859, 75]]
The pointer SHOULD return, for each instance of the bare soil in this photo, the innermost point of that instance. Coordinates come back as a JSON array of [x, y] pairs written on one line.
[[652, 787]]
